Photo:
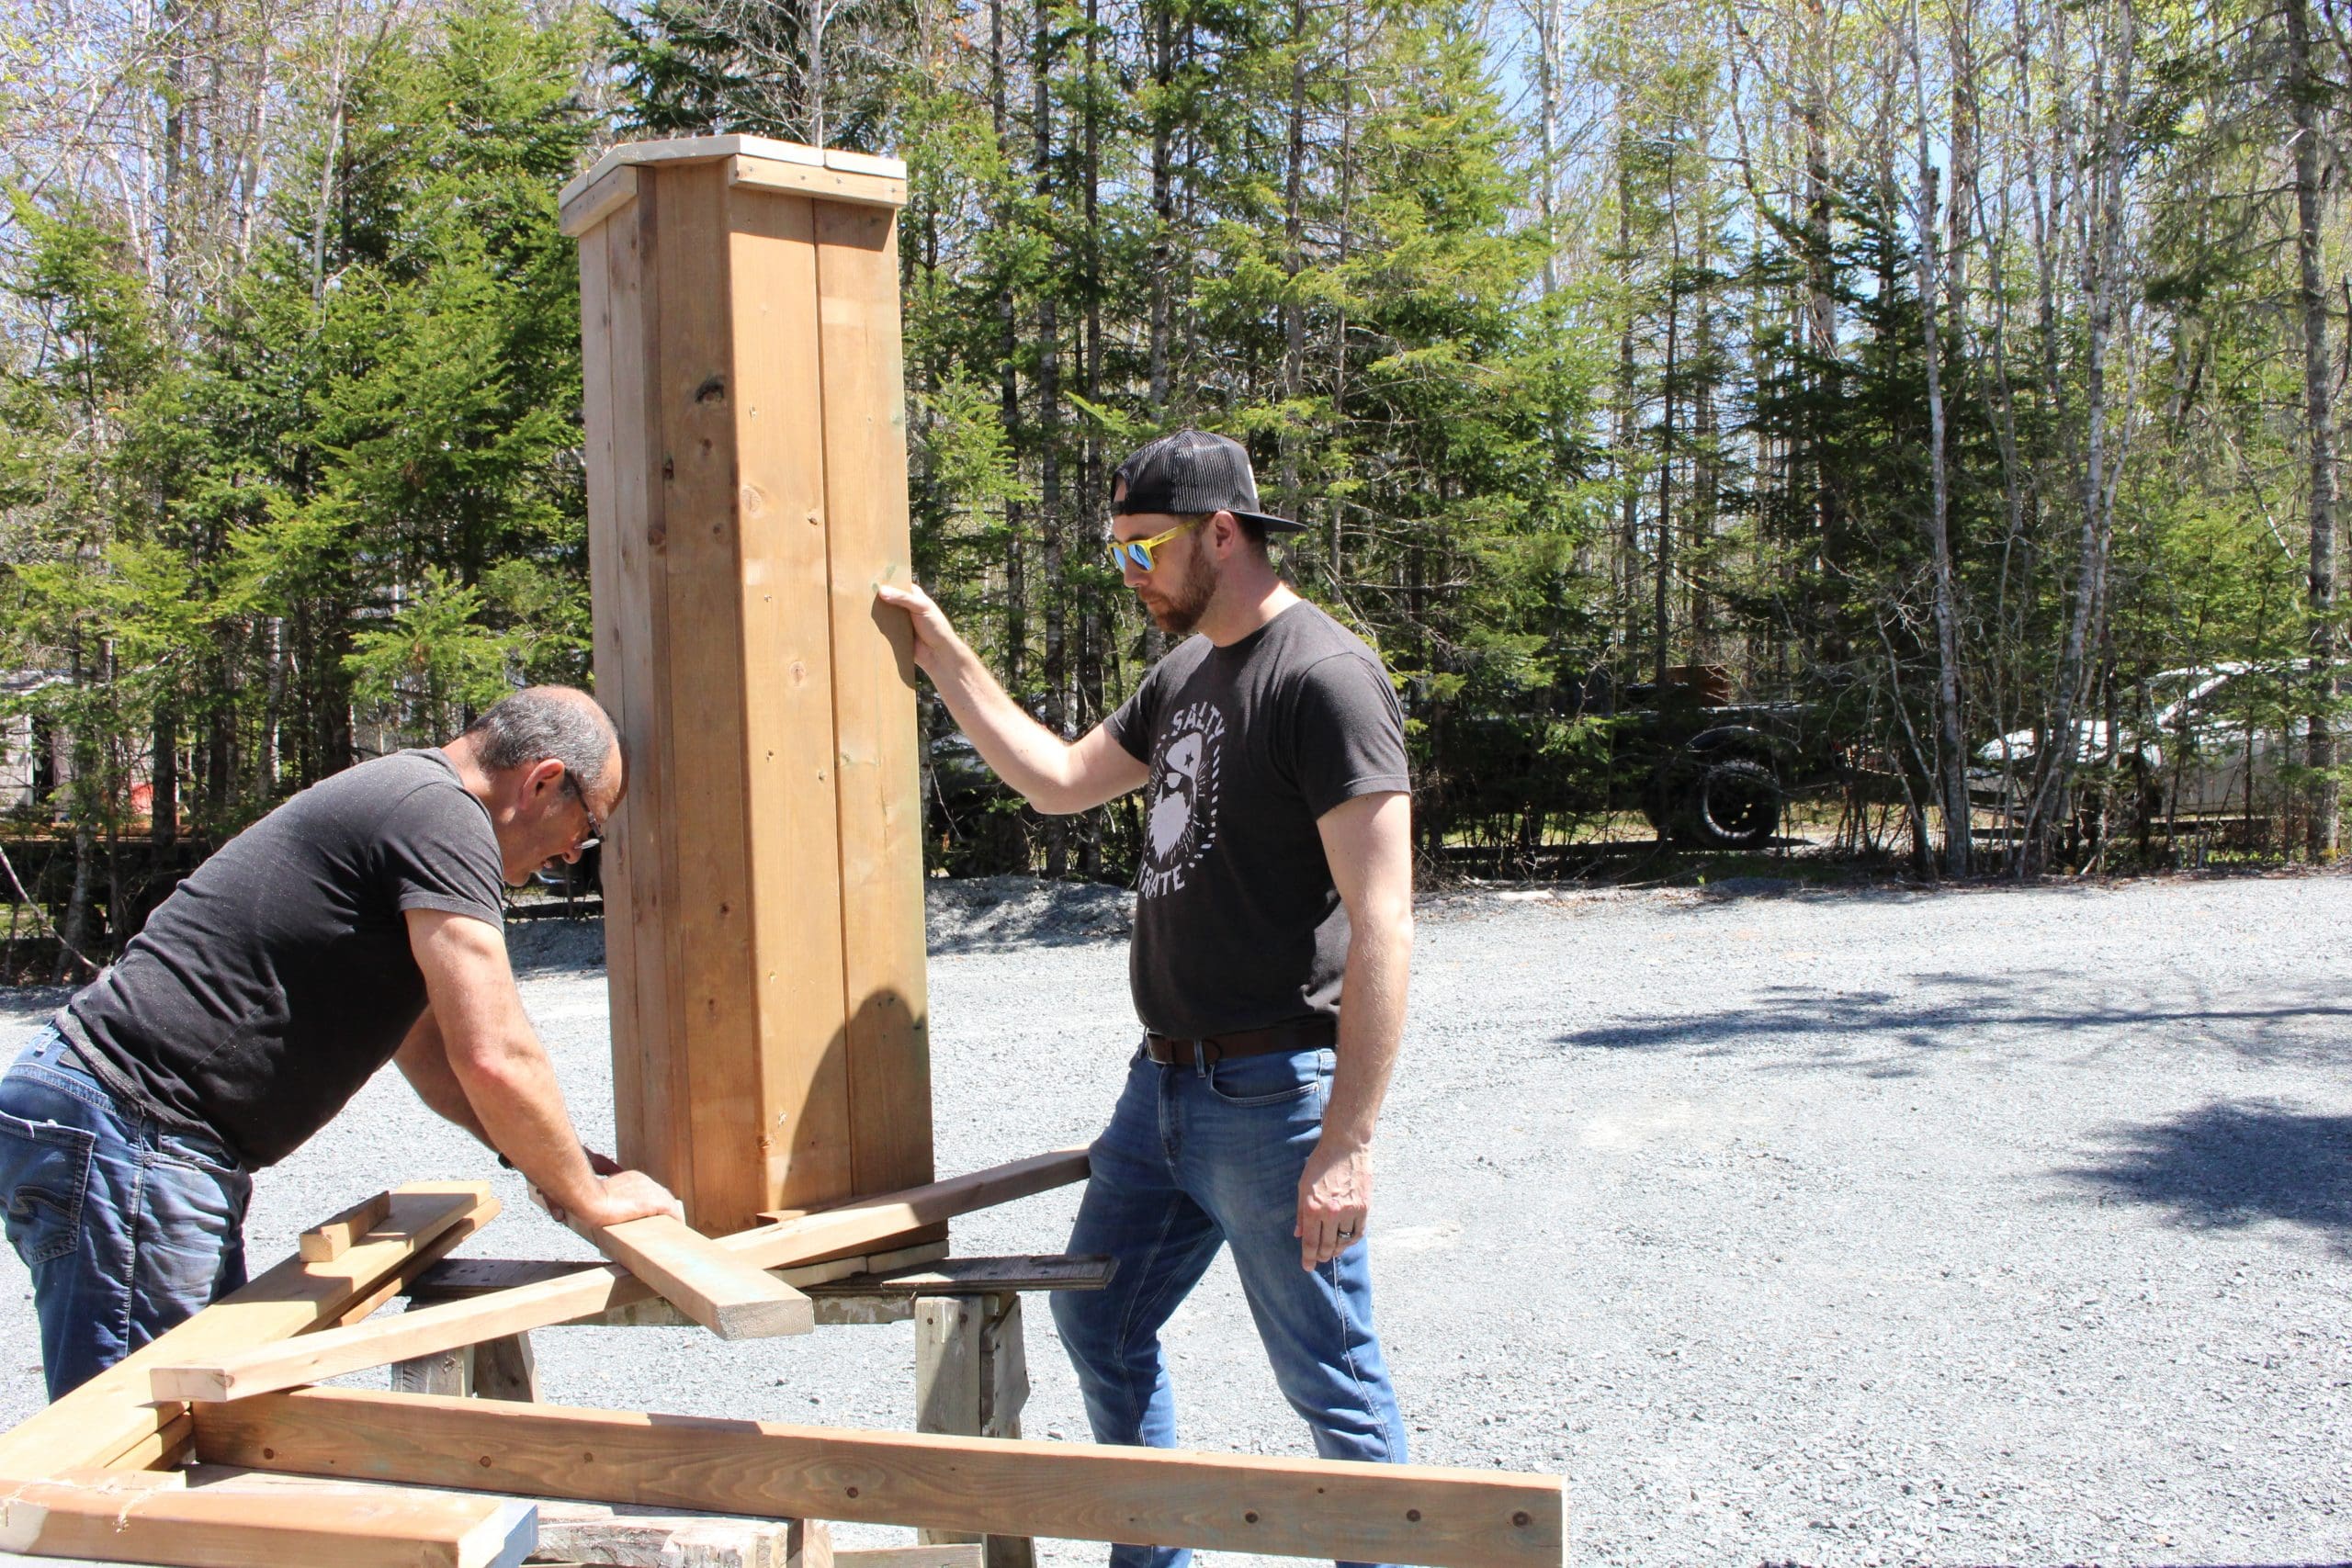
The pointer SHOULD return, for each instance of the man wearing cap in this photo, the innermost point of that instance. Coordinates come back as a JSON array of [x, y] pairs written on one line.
[[1276, 880]]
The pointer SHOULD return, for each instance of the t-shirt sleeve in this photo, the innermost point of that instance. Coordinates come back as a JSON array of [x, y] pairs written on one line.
[[1132, 724], [1347, 733], [438, 854]]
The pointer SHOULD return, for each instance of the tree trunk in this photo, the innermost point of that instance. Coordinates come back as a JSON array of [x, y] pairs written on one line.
[[2102, 264], [1016, 583], [2303, 91], [1049, 396], [1950, 742]]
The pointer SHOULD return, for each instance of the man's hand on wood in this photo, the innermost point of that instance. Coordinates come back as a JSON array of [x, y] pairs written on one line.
[[620, 1196], [1334, 1200], [933, 636]]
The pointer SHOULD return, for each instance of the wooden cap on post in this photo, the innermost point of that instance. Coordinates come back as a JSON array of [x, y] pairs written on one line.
[[747, 491], [760, 162]]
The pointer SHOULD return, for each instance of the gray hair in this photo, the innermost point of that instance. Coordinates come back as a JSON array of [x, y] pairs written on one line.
[[539, 722]]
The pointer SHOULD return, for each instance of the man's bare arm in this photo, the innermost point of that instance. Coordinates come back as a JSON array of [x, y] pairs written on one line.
[[1369, 843], [1055, 775], [497, 1061], [425, 1062]]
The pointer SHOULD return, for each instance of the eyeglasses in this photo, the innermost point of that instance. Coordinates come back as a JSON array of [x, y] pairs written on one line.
[[595, 834], [1138, 551]]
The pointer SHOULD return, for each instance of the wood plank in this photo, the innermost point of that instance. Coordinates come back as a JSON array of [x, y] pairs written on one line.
[[128, 1516], [718, 1122], [425, 1257], [111, 1415], [326, 1242], [640, 1541], [911, 1557], [801, 1080], [883, 946], [861, 186], [865, 164], [463, 1278], [717, 1290], [963, 1276], [157, 1451], [687, 149], [453, 1324], [1224, 1502], [626, 546], [611, 191]]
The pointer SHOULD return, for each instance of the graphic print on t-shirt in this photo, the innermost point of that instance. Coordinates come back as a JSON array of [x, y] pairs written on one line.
[[1180, 826]]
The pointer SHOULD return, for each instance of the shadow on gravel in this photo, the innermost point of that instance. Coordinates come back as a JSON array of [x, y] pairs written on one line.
[[2225, 1166], [1883, 1033]]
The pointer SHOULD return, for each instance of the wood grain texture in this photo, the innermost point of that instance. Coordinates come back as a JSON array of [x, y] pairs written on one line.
[[838, 185], [747, 490], [132, 1517], [587, 1292], [596, 202], [883, 949], [109, 1417], [730, 1297], [716, 1124], [912, 1557], [627, 548], [797, 1068], [325, 1242], [1234, 1503]]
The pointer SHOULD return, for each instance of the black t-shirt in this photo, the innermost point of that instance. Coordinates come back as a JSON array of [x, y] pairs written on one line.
[[275, 981], [1238, 925]]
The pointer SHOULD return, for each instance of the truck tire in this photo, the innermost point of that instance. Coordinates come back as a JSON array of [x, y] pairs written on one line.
[[1735, 805]]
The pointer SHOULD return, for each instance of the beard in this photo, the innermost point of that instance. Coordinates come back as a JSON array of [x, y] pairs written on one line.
[[1177, 614]]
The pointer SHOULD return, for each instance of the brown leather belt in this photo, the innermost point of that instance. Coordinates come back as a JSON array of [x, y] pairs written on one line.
[[1310, 1034]]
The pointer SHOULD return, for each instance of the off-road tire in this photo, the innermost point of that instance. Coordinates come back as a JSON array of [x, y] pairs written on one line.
[[1735, 805]]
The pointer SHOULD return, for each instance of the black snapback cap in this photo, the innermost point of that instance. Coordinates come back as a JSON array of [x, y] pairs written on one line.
[[1188, 472]]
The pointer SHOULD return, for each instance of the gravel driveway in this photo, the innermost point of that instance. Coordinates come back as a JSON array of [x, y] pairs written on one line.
[[2007, 1227]]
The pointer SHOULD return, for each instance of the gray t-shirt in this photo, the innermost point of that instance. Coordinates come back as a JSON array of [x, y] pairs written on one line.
[[277, 979], [1238, 925]]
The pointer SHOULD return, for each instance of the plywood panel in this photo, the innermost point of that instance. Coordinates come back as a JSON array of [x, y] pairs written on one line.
[[881, 801], [805, 1139]]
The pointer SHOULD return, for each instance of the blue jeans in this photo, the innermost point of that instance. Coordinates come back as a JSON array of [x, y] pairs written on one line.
[[1196, 1158], [128, 1227]]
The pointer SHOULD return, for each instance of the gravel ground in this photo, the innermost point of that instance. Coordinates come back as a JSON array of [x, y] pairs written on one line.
[[2007, 1227]]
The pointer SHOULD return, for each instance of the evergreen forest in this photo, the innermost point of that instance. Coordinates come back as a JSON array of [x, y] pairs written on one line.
[[1936, 396]]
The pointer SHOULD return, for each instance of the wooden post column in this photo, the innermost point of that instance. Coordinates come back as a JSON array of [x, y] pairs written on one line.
[[747, 490]]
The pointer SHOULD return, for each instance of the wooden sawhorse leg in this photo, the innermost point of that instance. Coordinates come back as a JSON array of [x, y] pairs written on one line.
[[971, 1380], [496, 1368]]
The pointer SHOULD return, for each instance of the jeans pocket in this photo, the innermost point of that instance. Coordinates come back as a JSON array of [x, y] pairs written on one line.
[[1278, 1078], [45, 1172], [198, 1152]]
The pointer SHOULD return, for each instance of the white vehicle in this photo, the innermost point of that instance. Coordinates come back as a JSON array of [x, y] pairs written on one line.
[[2200, 742]]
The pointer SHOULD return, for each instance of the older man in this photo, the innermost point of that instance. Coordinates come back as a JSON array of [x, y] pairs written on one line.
[[1273, 933], [360, 923]]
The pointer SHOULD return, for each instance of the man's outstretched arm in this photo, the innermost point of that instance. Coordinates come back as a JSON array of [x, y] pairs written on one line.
[[1055, 775], [1369, 843], [500, 1071]]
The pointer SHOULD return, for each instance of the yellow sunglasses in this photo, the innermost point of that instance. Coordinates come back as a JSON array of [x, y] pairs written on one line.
[[1139, 550]]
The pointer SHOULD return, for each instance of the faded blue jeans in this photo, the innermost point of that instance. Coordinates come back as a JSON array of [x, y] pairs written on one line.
[[1196, 1158], [128, 1227]]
